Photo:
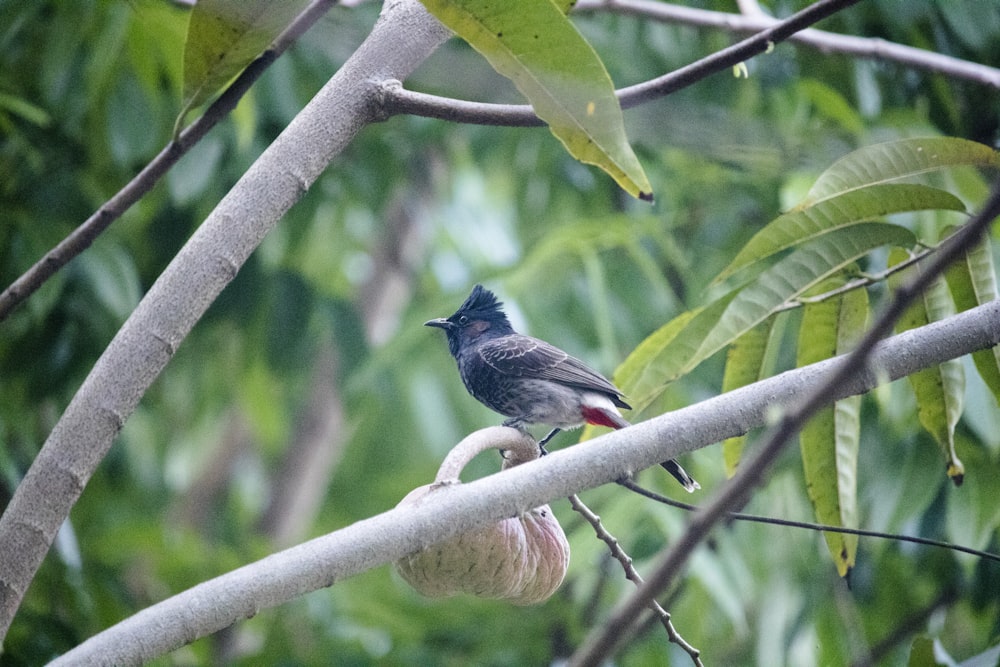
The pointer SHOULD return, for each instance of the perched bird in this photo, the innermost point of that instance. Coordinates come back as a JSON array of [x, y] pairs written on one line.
[[526, 379]]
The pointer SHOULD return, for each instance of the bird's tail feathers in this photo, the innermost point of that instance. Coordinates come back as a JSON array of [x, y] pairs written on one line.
[[681, 475]]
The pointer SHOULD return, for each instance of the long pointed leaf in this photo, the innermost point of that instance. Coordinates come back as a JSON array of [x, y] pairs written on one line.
[[894, 160], [849, 208], [972, 281], [746, 362], [793, 275], [940, 389], [829, 442], [532, 43]]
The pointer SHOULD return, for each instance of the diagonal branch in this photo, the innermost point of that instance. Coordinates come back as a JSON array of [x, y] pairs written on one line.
[[384, 538], [734, 494], [83, 236], [402, 38]]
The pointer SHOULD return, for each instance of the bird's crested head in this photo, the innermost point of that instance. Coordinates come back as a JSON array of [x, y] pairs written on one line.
[[479, 317]]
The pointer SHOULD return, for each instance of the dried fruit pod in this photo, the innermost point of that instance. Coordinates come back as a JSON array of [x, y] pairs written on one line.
[[522, 559]]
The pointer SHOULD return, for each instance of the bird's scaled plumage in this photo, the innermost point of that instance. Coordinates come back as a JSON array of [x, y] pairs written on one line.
[[528, 380]]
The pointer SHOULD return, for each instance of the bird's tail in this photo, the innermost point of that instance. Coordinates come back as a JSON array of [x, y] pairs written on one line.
[[602, 416], [681, 475]]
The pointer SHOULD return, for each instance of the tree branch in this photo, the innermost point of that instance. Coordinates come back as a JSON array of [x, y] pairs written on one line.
[[826, 42], [84, 235], [402, 38], [733, 495], [398, 100], [386, 537]]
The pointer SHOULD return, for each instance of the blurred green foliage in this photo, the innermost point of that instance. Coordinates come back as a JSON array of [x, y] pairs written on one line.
[[394, 233]]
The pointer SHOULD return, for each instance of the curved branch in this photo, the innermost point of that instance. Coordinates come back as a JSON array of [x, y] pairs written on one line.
[[403, 37], [391, 535], [84, 235], [825, 42], [397, 100], [733, 495]]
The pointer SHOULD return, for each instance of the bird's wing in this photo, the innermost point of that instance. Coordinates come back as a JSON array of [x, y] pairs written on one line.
[[524, 356]]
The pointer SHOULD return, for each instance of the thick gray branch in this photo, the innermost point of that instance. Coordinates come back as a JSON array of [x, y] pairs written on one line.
[[403, 37], [384, 538]]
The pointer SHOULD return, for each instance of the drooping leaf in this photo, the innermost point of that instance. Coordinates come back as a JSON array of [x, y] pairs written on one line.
[[939, 389], [844, 210], [829, 441], [224, 36], [890, 161], [972, 281], [532, 43], [746, 363]]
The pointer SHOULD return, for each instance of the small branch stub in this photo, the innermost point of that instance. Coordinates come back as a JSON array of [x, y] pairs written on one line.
[[522, 559]]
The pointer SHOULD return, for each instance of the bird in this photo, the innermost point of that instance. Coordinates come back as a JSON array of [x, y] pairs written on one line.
[[529, 381]]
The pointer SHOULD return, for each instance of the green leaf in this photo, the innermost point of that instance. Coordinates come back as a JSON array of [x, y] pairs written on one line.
[[677, 348], [844, 210], [746, 363], [894, 160], [939, 390], [791, 276], [645, 371], [972, 281], [532, 43], [224, 36], [829, 441]]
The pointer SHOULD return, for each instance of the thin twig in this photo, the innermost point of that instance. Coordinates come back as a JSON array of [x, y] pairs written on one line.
[[83, 236], [633, 575], [734, 494], [864, 280], [631, 485]]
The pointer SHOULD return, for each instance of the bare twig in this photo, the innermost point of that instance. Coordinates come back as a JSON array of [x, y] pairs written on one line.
[[83, 236], [633, 575], [734, 494]]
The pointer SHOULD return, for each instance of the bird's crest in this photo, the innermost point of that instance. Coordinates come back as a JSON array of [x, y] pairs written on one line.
[[482, 304]]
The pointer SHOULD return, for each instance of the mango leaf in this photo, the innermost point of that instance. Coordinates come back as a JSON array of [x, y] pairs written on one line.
[[894, 160], [747, 361], [829, 441], [532, 43], [973, 282], [791, 276], [940, 389], [643, 375], [844, 210], [224, 36], [677, 348]]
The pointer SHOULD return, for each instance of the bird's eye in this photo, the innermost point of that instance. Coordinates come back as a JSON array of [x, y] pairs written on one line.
[[463, 320]]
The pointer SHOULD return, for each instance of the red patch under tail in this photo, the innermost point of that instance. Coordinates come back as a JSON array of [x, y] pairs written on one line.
[[602, 417]]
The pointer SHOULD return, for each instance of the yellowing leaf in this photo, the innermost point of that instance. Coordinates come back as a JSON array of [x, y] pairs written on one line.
[[939, 389], [973, 282], [746, 362], [829, 441], [532, 43]]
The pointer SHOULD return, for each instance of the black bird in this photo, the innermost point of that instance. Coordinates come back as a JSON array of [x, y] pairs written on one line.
[[526, 379]]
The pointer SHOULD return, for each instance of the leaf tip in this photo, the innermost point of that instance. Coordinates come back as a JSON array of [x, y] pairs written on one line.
[[646, 196]]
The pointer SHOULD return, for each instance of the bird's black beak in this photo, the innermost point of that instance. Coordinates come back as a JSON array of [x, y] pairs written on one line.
[[440, 323]]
